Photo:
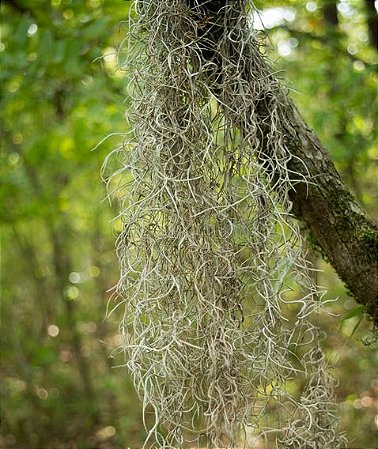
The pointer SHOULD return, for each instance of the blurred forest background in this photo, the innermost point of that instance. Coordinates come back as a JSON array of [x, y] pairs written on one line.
[[61, 95]]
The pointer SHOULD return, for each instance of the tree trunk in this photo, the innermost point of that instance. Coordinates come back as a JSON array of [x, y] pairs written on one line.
[[338, 226]]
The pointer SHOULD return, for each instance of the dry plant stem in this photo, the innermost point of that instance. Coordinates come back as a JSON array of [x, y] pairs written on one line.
[[209, 248]]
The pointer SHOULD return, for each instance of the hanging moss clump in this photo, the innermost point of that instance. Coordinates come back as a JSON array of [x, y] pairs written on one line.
[[217, 293]]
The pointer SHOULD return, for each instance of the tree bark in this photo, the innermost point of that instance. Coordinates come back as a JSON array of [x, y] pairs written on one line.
[[343, 233], [338, 227]]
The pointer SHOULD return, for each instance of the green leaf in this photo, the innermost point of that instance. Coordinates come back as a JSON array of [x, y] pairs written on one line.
[[357, 311]]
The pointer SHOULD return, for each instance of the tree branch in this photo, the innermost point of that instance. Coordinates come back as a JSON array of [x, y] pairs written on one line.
[[330, 13], [342, 231], [372, 22], [345, 235]]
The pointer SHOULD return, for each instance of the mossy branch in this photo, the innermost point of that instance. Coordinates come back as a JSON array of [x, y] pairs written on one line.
[[346, 235]]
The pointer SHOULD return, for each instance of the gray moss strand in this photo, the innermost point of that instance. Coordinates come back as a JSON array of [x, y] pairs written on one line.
[[210, 249]]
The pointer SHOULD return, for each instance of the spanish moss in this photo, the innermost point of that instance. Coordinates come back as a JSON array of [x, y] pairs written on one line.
[[218, 296]]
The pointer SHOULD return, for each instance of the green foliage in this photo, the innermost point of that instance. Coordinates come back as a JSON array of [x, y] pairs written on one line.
[[58, 101]]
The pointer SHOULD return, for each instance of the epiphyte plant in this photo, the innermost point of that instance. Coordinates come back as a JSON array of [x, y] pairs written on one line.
[[217, 292]]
